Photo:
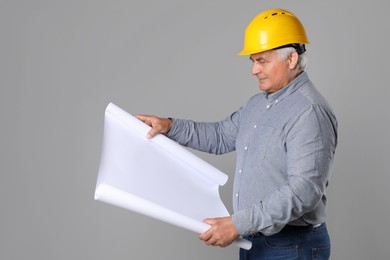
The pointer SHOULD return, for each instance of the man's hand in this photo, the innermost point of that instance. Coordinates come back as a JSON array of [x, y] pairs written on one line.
[[222, 232], [159, 125]]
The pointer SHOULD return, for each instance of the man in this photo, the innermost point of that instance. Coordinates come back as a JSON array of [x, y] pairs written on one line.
[[285, 139]]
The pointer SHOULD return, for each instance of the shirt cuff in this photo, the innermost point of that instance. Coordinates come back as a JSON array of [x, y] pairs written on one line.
[[173, 131], [242, 223]]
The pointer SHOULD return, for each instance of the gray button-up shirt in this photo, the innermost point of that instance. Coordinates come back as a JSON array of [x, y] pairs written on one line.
[[285, 144]]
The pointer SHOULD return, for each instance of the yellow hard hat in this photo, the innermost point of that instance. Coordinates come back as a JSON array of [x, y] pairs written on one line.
[[272, 29]]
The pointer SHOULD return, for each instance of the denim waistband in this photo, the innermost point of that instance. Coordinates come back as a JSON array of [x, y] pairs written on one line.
[[292, 229]]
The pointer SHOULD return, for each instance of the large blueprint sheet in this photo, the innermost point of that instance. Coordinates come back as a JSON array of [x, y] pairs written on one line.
[[157, 177]]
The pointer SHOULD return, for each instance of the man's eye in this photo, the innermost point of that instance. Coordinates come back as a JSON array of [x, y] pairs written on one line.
[[261, 61]]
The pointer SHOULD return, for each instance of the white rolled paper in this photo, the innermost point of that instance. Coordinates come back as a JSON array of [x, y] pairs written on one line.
[[157, 177]]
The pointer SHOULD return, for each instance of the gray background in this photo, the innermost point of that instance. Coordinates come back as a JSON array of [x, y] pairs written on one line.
[[62, 62]]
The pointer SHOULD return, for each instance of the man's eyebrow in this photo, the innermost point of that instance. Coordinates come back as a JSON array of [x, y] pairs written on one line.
[[258, 59]]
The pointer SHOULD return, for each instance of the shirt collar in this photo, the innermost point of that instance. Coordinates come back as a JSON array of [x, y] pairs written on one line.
[[290, 88]]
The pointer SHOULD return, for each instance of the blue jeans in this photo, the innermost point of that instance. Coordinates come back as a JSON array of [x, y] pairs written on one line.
[[290, 243]]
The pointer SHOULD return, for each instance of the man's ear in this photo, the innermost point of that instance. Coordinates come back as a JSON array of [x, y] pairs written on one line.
[[293, 60]]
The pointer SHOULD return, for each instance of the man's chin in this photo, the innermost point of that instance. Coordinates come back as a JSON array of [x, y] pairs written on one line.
[[262, 88]]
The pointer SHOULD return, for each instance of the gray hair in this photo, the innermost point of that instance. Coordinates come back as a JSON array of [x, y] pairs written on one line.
[[302, 58]]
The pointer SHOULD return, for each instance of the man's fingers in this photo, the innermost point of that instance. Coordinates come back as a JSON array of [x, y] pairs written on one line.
[[209, 221], [144, 118], [208, 234], [205, 236], [159, 125], [153, 132], [221, 233]]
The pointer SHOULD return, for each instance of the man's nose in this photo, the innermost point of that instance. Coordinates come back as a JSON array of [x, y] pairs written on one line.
[[255, 69]]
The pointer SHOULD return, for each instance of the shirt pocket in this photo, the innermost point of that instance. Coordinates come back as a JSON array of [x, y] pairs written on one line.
[[261, 141]]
